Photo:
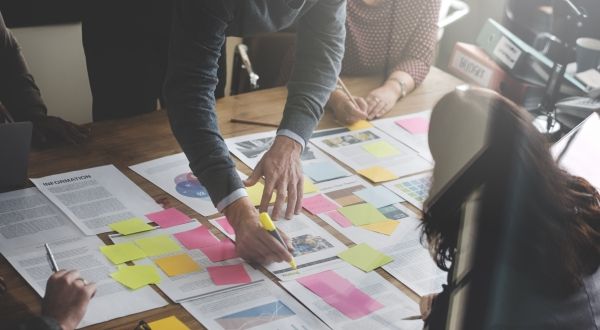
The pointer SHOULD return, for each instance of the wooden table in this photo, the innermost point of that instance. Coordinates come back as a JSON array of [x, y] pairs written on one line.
[[130, 141]]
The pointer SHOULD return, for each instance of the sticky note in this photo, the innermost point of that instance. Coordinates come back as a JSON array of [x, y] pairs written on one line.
[[309, 186], [130, 226], [122, 252], [381, 149], [157, 245], [177, 265], [318, 204], [416, 125], [168, 323], [224, 223], [135, 277], [231, 274], [168, 218], [255, 193], [339, 218], [378, 196], [361, 124], [365, 257], [384, 227], [362, 214], [223, 250], [377, 174], [323, 171], [341, 294], [196, 238]]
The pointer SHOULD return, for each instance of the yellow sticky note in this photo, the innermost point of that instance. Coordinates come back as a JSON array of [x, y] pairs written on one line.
[[385, 227], [168, 323], [362, 214], [135, 277], [130, 226], [365, 257], [377, 174], [361, 124], [309, 186], [381, 149], [157, 245], [178, 265], [122, 252], [255, 193]]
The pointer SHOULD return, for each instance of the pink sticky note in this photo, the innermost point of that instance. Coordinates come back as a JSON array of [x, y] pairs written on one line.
[[196, 238], [340, 294], [224, 223], [223, 250], [416, 125], [339, 218], [233, 274], [168, 218], [318, 204]]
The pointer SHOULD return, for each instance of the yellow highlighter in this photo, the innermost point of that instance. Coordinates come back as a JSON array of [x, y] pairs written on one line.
[[269, 226]]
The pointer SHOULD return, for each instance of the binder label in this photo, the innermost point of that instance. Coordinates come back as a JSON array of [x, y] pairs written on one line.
[[507, 52], [472, 69]]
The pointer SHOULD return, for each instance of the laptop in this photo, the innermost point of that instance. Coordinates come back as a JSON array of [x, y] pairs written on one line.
[[15, 143]]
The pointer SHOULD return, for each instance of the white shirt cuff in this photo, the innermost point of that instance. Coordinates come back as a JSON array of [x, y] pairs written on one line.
[[234, 196], [293, 136]]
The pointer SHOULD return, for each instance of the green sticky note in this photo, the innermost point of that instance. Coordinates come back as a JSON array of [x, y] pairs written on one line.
[[157, 245], [365, 257], [130, 226], [122, 252], [381, 149], [362, 214], [135, 277]]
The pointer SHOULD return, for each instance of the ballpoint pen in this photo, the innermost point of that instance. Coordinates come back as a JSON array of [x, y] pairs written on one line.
[[51, 258], [269, 226]]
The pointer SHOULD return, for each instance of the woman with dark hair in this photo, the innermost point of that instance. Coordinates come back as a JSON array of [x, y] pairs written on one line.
[[551, 276]]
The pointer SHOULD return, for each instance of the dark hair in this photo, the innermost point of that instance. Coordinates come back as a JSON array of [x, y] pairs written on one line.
[[560, 243]]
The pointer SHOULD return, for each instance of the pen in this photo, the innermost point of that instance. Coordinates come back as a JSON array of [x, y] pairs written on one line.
[[416, 317], [252, 122], [269, 226], [347, 92], [51, 258]]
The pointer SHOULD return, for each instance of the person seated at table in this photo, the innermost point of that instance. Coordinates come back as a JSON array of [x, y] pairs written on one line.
[[21, 97], [64, 304], [553, 281]]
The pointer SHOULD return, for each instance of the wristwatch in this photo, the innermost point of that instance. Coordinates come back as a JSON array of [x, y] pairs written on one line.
[[401, 84]]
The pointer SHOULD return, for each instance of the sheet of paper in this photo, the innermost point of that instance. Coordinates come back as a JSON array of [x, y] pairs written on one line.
[[415, 133], [309, 186], [130, 226], [157, 245], [96, 197], [28, 220], [340, 294], [225, 225], [361, 124], [365, 257], [173, 175], [414, 125], [135, 277], [258, 305], [168, 323], [318, 204], [255, 193], [414, 189], [323, 171], [377, 174], [111, 300], [385, 227], [223, 250], [396, 305], [230, 274], [196, 238], [178, 264], [168, 218], [362, 214], [339, 218], [120, 253], [371, 147], [378, 196]]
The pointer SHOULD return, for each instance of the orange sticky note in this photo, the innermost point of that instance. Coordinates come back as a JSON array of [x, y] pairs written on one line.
[[168, 323], [361, 124], [385, 227], [377, 174], [178, 264]]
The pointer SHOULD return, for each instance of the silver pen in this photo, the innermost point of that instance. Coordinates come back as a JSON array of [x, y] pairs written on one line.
[[51, 258]]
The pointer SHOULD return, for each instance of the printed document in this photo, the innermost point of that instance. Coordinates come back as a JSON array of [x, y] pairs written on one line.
[[402, 128]]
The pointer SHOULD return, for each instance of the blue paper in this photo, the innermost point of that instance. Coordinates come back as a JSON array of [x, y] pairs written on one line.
[[323, 171], [378, 196]]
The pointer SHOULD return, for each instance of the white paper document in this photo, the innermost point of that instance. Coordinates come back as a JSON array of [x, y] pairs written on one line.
[[173, 175], [112, 300], [371, 147], [28, 220], [416, 138], [258, 305], [96, 197], [396, 305]]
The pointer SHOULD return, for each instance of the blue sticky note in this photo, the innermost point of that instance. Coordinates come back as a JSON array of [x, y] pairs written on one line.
[[378, 196], [323, 171]]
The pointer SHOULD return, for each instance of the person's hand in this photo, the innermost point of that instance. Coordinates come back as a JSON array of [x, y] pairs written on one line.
[[67, 297], [282, 171], [382, 99], [345, 111], [49, 131], [425, 305], [252, 242]]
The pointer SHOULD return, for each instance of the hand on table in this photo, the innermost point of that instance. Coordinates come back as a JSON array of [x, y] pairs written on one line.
[[67, 297], [425, 305], [252, 242], [282, 170], [49, 131], [381, 100], [345, 111]]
